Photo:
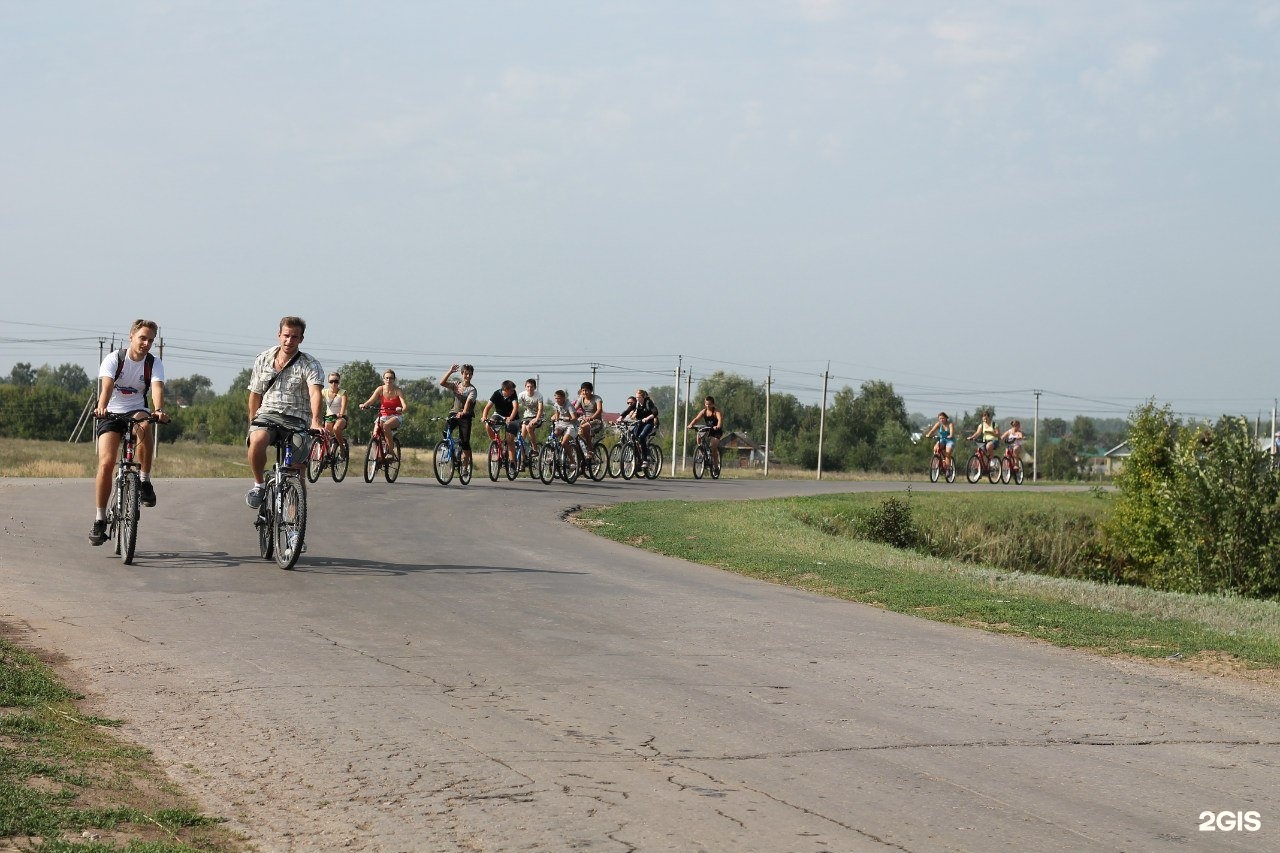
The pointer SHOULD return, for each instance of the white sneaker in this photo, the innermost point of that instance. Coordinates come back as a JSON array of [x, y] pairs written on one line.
[[253, 497]]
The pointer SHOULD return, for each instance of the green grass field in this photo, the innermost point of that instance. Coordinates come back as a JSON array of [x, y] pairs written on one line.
[[778, 541]]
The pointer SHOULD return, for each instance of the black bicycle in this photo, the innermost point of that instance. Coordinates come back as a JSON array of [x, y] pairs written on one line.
[[703, 460], [282, 515], [124, 507], [556, 460]]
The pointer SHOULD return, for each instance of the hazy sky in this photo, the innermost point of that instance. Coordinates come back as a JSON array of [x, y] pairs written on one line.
[[968, 199]]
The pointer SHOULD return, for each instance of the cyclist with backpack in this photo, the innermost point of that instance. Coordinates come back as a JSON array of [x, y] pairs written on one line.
[[124, 378]]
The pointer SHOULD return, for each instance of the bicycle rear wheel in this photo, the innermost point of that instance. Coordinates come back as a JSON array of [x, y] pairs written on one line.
[[129, 506], [391, 466], [653, 461], [442, 463], [514, 465], [699, 462], [713, 465], [316, 460], [371, 460], [1018, 473], [290, 527], [341, 459], [495, 460], [951, 471], [266, 544]]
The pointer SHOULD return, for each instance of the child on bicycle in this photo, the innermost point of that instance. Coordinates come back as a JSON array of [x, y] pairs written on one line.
[[464, 405], [946, 436], [503, 404], [390, 410], [1012, 437], [122, 389], [531, 405], [564, 418]]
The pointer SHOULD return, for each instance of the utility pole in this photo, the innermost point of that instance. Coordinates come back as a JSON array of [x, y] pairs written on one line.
[[822, 417], [768, 396], [593, 374], [684, 433], [675, 411], [1035, 442]]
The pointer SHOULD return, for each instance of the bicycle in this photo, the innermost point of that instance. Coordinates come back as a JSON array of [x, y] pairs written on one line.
[[1011, 466], [595, 461], [557, 460], [941, 466], [381, 454], [446, 460], [329, 453], [703, 460], [526, 456], [282, 516], [124, 507], [622, 456], [981, 463], [499, 460]]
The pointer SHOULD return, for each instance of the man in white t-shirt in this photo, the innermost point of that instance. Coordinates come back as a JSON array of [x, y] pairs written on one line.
[[124, 378]]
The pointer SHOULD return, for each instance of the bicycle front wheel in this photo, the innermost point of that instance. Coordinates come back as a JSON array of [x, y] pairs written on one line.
[[315, 461], [973, 471], [290, 518], [1006, 470], [615, 460], [699, 463], [570, 463], [993, 470], [495, 460], [391, 466], [129, 506], [371, 460], [597, 462], [935, 469], [627, 463], [341, 459], [547, 464], [442, 463]]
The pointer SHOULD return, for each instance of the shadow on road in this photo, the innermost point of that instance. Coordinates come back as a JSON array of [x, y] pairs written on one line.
[[186, 559]]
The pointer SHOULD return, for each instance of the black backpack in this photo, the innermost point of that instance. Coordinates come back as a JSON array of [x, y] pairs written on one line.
[[146, 369]]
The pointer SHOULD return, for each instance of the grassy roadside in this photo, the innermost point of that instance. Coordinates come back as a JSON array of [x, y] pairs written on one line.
[[775, 540], [67, 783]]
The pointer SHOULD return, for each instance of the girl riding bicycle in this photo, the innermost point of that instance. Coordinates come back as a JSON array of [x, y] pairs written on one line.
[[946, 435], [335, 407], [1013, 438], [390, 408], [989, 434]]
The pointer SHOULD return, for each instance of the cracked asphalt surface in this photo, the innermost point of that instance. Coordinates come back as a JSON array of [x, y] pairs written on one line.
[[457, 669]]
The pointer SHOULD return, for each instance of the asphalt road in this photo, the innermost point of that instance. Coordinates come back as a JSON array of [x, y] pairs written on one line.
[[456, 668]]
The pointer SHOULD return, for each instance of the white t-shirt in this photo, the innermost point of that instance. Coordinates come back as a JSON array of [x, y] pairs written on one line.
[[129, 395], [529, 404]]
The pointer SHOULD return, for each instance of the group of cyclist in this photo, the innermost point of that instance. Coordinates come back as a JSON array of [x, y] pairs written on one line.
[[288, 397], [987, 433]]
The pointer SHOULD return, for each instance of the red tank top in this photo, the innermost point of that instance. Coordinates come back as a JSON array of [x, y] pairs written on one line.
[[389, 406]]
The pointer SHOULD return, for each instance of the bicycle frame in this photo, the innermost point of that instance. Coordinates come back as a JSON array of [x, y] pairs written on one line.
[[123, 508]]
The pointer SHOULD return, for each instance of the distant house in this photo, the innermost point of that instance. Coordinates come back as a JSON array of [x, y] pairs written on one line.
[[740, 445], [1113, 459]]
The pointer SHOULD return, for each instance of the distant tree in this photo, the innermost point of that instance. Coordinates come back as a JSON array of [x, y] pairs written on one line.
[[22, 375], [189, 391], [1057, 461], [241, 383], [1053, 428], [69, 377], [359, 378], [1084, 431]]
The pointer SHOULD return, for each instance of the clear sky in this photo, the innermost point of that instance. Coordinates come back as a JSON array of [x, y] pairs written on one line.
[[968, 199]]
